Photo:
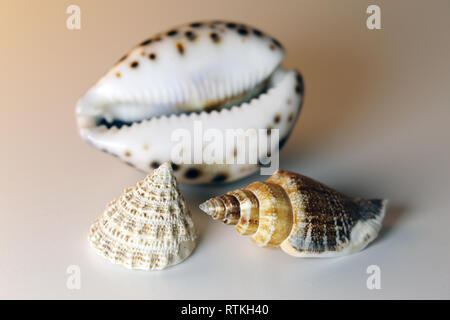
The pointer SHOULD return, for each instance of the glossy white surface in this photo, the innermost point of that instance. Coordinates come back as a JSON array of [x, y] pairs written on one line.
[[375, 123]]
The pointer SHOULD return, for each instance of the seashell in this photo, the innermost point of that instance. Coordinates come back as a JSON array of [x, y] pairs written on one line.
[[223, 75], [305, 218], [148, 227]]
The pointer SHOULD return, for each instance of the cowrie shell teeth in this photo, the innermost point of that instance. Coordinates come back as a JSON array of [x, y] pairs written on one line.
[[227, 77]]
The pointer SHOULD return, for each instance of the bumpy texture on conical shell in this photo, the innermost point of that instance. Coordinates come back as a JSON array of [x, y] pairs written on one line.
[[302, 216], [149, 227]]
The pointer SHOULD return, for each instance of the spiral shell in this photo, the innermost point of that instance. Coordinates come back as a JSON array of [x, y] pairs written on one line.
[[149, 227], [303, 217], [222, 75]]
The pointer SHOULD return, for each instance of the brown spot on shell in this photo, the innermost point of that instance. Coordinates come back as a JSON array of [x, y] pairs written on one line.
[[231, 25], [172, 33], [196, 24], [272, 47], [242, 31], [190, 35], [215, 37], [152, 56], [127, 154], [289, 101], [192, 173], [118, 75], [180, 48], [134, 64], [277, 118], [175, 167], [257, 33], [220, 177], [154, 164], [291, 117], [145, 147], [146, 42]]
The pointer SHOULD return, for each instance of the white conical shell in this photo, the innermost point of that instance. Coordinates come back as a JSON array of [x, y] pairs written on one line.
[[148, 227]]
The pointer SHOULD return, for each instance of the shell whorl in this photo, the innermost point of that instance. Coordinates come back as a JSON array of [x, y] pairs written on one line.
[[304, 217], [262, 210], [148, 227]]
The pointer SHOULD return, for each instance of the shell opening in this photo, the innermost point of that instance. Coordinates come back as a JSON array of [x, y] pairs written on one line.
[[94, 110]]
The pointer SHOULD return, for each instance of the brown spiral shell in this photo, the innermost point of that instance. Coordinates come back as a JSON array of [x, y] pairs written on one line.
[[303, 217]]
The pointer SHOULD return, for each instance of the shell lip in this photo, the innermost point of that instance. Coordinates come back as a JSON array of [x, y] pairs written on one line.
[[90, 114]]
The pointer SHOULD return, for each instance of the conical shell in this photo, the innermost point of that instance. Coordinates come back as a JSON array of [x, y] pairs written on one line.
[[148, 227], [305, 218]]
